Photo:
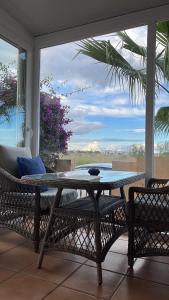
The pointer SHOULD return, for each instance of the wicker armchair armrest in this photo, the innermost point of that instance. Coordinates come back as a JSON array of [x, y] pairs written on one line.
[[146, 191], [157, 183], [10, 183]]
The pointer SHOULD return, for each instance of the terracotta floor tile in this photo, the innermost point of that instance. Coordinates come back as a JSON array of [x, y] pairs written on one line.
[[12, 237], [135, 289], [62, 293], [17, 258], [69, 256], [113, 262], [25, 287], [3, 230], [151, 270], [162, 259], [55, 270], [124, 236], [4, 246], [120, 246], [9, 240], [28, 245], [85, 279], [5, 274]]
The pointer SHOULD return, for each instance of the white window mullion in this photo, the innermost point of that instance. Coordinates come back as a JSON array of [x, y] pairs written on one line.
[[150, 98], [36, 102]]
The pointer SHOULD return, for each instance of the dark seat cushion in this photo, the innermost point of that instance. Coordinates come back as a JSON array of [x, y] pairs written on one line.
[[15, 200]]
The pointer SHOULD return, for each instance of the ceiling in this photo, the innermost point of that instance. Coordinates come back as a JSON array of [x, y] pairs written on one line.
[[40, 17]]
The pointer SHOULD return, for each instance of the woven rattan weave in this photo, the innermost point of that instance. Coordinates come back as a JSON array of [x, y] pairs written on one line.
[[87, 227], [148, 220], [20, 208]]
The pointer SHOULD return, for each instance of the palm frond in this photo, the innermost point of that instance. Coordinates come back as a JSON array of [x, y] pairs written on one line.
[[161, 123], [119, 68], [131, 45], [161, 38]]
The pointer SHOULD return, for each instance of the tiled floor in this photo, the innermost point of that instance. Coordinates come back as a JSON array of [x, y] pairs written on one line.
[[65, 276]]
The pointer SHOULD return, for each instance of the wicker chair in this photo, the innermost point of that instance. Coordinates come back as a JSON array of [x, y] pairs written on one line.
[[87, 227], [20, 209], [148, 220]]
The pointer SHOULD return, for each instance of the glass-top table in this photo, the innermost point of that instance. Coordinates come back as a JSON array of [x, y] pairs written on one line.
[[89, 225], [107, 179]]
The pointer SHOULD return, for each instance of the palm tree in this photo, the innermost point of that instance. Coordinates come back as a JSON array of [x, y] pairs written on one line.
[[122, 71]]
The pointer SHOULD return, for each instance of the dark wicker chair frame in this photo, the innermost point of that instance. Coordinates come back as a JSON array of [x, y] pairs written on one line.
[[148, 220], [87, 227], [20, 209]]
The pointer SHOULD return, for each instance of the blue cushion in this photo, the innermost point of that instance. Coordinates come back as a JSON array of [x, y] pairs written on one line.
[[30, 166]]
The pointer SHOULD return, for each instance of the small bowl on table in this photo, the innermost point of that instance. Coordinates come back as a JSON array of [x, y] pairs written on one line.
[[94, 171]]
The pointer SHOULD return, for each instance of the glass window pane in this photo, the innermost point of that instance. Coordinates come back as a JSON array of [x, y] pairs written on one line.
[[12, 94], [161, 147]]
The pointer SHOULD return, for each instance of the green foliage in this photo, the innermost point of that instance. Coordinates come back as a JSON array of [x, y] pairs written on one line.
[[8, 92], [162, 121], [137, 151]]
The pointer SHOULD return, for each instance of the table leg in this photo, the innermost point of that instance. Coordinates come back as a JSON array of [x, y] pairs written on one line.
[[122, 193], [50, 225], [97, 230]]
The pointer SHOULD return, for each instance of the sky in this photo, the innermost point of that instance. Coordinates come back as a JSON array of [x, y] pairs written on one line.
[[103, 116]]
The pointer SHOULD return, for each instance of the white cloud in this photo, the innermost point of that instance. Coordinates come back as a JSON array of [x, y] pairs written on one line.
[[93, 110], [162, 100], [109, 88], [93, 146], [119, 101], [134, 130], [82, 145], [83, 127], [138, 34], [138, 130]]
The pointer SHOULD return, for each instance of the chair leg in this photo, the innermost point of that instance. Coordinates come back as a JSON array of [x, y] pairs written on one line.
[[131, 247], [88, 228], [99, 273], [36, 246], [40, 259], [37, 217], [36, 233], [130, 261]]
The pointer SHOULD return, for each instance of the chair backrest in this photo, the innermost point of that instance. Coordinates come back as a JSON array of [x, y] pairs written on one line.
[[8, 157]]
